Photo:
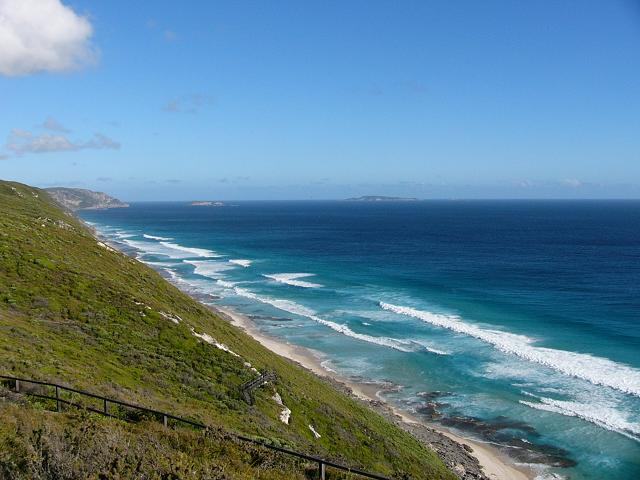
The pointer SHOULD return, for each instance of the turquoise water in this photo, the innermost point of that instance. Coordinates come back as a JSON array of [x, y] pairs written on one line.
[[516, 323]]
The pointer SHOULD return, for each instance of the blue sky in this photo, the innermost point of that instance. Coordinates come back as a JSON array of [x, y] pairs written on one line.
[[276, 100]]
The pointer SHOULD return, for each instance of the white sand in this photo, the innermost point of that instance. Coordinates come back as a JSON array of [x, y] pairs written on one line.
[[494, 464]]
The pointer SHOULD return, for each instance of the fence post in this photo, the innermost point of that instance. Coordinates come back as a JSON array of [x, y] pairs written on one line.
[[57, 399], [164, 420], [321, 468], [17, 386], [106, 412]]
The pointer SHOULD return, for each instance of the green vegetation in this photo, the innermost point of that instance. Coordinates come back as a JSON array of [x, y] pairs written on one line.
[[35, 443], [74, 311]]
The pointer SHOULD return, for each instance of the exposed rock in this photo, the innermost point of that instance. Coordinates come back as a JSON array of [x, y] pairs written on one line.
[[80, 199], [206, 203]]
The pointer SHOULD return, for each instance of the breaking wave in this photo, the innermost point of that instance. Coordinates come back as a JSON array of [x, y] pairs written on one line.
[[153, 237], [208, 268], [293, 279], [596, 370], [241, 262], [297, 309], [604, 417], [167, 249]]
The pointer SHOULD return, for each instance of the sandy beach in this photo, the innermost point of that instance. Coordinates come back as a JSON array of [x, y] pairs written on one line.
[[493, 463]]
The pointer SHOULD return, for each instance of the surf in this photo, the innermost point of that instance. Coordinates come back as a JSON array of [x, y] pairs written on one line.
[[596, 370], [293, 279]]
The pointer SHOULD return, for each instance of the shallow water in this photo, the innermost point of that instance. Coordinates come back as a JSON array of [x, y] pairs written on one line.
[[524, 316]]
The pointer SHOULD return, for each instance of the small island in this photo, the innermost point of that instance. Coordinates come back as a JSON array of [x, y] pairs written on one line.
[[380, 198], [206, 203]]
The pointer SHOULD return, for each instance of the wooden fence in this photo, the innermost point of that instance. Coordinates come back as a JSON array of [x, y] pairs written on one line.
[[105, 402]]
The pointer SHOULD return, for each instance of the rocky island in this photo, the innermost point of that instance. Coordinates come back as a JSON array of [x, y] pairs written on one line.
[[206, 203]]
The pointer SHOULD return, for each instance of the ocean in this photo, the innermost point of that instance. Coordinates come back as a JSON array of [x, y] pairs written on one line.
[[516, 323]]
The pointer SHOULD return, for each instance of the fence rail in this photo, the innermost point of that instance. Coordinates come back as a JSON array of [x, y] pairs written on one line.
[[322, 463]]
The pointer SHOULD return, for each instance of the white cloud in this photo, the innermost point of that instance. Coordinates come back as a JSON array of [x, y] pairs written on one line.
[[42, 36], [20, 142]]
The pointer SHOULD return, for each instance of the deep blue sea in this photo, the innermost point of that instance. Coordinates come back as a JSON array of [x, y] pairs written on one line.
[[513, 322]]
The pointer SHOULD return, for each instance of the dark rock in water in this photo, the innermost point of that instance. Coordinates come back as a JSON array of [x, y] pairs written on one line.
[[527, 452], [488, 428], [270, 318], [433, 395], [429, 409], [505, 433]]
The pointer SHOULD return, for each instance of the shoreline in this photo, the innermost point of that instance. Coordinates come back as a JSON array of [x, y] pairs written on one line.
[[494, 464], [481, 461]]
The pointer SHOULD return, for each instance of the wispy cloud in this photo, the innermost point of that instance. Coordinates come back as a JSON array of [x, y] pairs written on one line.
[[170, 35], [21, 142], [43, 36], [416, 87], [191, 103], [572, 182], [52, 124]]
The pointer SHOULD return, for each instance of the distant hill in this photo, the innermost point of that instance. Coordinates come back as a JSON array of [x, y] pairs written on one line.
[[80, 199], [380, 198]]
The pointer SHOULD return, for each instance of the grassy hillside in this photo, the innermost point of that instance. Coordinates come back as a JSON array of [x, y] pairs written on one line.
[[38, 444], [74, 311]]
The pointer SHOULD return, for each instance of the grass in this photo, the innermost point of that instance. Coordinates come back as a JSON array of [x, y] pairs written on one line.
[[35, 443], [75, 312]]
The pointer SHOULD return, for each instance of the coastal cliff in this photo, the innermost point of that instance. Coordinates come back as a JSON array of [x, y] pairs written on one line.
[[81, 199]]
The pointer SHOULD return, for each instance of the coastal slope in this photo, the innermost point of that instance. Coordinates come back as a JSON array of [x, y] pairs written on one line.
[[75, 311]]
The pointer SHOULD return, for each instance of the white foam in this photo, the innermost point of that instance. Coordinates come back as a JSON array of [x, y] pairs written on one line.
[[154, 237], [293, 279], [192, 252], [296, 309], [124, 234], [325, 364], [596, 370], [598, 414], [171, 250], [436, 351], [208, 268], [242, 262]]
